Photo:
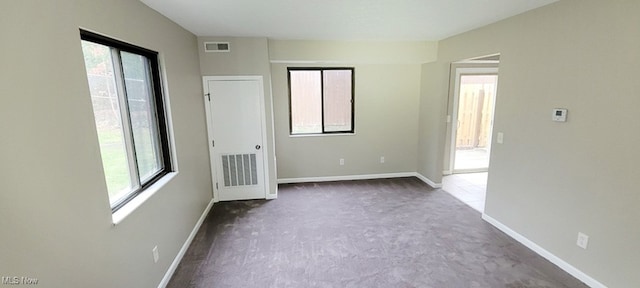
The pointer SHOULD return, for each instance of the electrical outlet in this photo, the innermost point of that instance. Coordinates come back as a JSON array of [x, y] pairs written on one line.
[[156, 254], [500, 137], [341, 161], [583, 240], [381, 159]]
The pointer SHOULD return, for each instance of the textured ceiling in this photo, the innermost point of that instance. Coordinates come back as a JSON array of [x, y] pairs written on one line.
[[339, 19]]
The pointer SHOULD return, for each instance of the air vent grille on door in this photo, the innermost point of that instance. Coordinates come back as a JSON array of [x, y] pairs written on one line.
[[216, 47], [239, 170]]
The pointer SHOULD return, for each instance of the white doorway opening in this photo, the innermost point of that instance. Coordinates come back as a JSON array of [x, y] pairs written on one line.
[[474, 96]]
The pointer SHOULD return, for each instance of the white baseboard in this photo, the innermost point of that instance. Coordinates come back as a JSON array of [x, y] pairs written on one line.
[[575, 272], [185, 246], [345, 178], [428, 181], [360, 177], [271, 196], [469, 171]]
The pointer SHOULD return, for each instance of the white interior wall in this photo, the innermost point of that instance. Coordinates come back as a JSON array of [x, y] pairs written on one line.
[[432, 121], [550, 180], [387, 90], [54, 208]]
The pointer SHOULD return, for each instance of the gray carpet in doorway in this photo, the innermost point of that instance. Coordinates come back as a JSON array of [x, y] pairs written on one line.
[[370, 233]]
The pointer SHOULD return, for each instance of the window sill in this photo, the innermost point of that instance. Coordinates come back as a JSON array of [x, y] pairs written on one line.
[[136, 202], [321, 135]]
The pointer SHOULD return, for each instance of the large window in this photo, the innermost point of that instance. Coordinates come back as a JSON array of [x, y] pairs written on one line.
[[124, 81], [321, 100]]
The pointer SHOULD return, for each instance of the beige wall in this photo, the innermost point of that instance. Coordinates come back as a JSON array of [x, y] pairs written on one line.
[[549, 180], [387, 94], [365, 52], [433, 105], [247, 56], [54, 209]]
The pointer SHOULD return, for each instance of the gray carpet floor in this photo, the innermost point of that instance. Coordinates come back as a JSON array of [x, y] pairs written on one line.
[[370, 233]]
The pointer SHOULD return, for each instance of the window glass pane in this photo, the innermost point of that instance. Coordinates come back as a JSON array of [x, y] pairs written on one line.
[[129, 116], [141, 110], [306, 102], [475, 107], [337, 100], [106, 110]]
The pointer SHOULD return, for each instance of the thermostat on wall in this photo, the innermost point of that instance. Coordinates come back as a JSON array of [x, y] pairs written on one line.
[[559, 115]]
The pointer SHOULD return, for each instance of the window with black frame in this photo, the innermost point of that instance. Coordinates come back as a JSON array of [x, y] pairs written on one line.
[[128, 106], [321, 100]]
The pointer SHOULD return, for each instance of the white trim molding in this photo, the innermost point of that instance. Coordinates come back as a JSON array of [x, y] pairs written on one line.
[[429, 181], [575, 272], [360, 177], [185, 246], [344, 178]]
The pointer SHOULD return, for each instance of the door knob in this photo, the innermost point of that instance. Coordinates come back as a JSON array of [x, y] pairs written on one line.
[[258, 147]]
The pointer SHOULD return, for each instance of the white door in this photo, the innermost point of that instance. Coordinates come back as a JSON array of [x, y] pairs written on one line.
[[235, 120]]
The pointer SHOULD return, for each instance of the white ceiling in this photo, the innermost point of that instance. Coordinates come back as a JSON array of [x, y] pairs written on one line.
[[339, 19]]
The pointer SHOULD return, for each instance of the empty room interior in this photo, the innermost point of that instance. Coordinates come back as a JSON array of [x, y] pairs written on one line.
[[159, 143]]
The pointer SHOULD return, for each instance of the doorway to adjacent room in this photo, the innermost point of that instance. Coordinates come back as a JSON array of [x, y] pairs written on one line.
[[473, 106], [473, 92]]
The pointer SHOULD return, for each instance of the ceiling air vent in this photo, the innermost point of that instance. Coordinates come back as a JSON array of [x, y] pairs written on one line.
[[216, 46]]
